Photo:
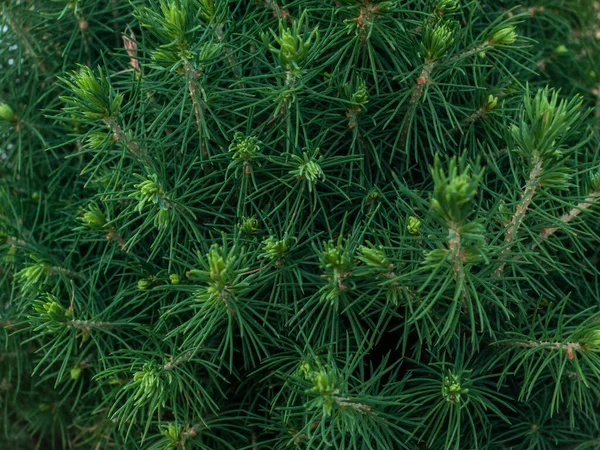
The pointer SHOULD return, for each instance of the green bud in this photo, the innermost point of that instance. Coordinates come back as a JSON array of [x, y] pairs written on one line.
[[174, 278], [593, 338], [150, 191], [309, 168], [373, 195], [437, 39], [216, 262], [334, 257], [561, 50], [595, 182], [491, 102], [454, 191], [144, 284], [249, 225], [434, 257], [504, 36], [453, 389], [324, 386], [294, 45], [274, 249], [374, 257], [162, 218], [6, 112], [386, 7], [543, 123], [305, 370], [93, 218], [51, 313], [446, 6], [93, 96], [413, 225], [96, 139], [147, 381], [245, 148], [360, 97], [173, 433], [76, 373], [10, 257]]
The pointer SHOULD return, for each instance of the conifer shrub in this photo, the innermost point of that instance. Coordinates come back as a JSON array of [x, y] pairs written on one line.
[[304, 224]]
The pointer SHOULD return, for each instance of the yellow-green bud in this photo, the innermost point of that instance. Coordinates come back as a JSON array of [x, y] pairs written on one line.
[[561, 50], [305, 370], [174, 278], [248, 225], [504, 36], [76, 373], [144, 284], [6, 112], [491, 102], [593, 338], [413, 226], [173, 433]]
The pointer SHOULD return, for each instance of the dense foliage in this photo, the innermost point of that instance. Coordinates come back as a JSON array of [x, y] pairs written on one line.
[[301, 224]]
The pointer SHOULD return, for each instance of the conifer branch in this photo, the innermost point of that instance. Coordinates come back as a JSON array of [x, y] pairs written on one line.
[[521, 210], [121, 137], [596, 92], [24, 40], [565, 219], [195, 94], [88, 325], [417, 94], [569, 348], [279, 11], [54, 270], [568, 217]]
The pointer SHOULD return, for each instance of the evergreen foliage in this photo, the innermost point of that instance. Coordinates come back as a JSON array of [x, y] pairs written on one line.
[[304, 224]]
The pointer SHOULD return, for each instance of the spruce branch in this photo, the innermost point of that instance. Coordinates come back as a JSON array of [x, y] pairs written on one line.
[[195, 95], [26, 41], [121, 137], [572, 214], [512, 228], [417, 94], [279, 11]]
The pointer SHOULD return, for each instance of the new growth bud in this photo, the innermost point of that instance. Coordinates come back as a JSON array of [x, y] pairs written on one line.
[[309, 168], [93, 96], [454, 191], [144, 284], [491, 102], [6, 112], [93, 218], [506, 35], [437, 39], [453, 389], [413, 225], [446, 7], [76, 372], [274, 249], [248, 225], [294, 45], [244, 148]]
